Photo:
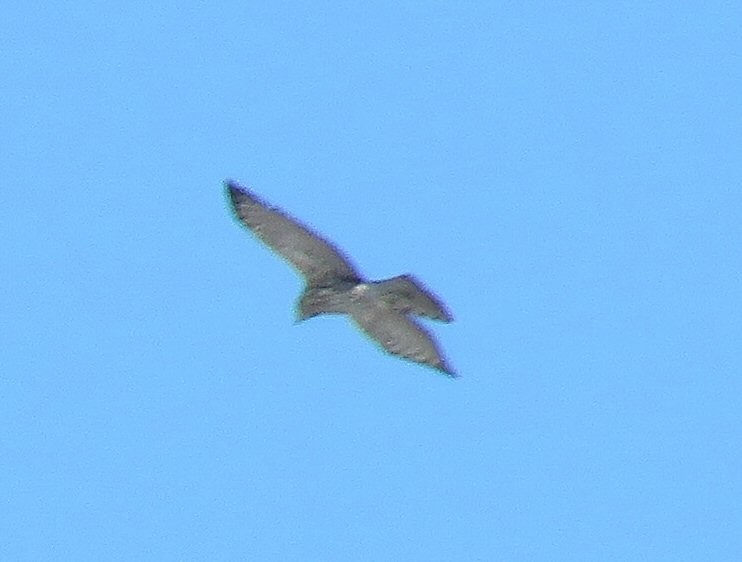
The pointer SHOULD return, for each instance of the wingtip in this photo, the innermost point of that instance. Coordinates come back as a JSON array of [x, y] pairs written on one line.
[[448, 370], [239, 195], [233, 187]]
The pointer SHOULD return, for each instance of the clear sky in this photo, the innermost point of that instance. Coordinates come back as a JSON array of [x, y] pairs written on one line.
[[566, 176]]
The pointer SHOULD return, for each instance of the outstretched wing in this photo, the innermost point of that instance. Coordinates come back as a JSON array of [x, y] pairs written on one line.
[[316, 258], [406, 294], [399, 335]]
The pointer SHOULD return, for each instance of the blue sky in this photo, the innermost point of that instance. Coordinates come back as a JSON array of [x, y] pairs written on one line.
[[567, 177]]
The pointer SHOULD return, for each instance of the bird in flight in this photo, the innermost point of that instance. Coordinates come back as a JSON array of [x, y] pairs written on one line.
[[384, 310]]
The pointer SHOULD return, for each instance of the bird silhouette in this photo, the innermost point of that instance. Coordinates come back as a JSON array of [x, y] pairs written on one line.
[[384, 309]]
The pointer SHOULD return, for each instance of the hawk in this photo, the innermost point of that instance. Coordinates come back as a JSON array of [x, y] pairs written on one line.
[[384, 309]]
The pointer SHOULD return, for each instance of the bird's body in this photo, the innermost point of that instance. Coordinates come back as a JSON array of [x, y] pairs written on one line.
[[381, 309]]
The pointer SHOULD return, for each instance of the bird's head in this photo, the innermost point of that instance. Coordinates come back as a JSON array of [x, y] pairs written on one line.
[[302, 315], [309, 306]]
